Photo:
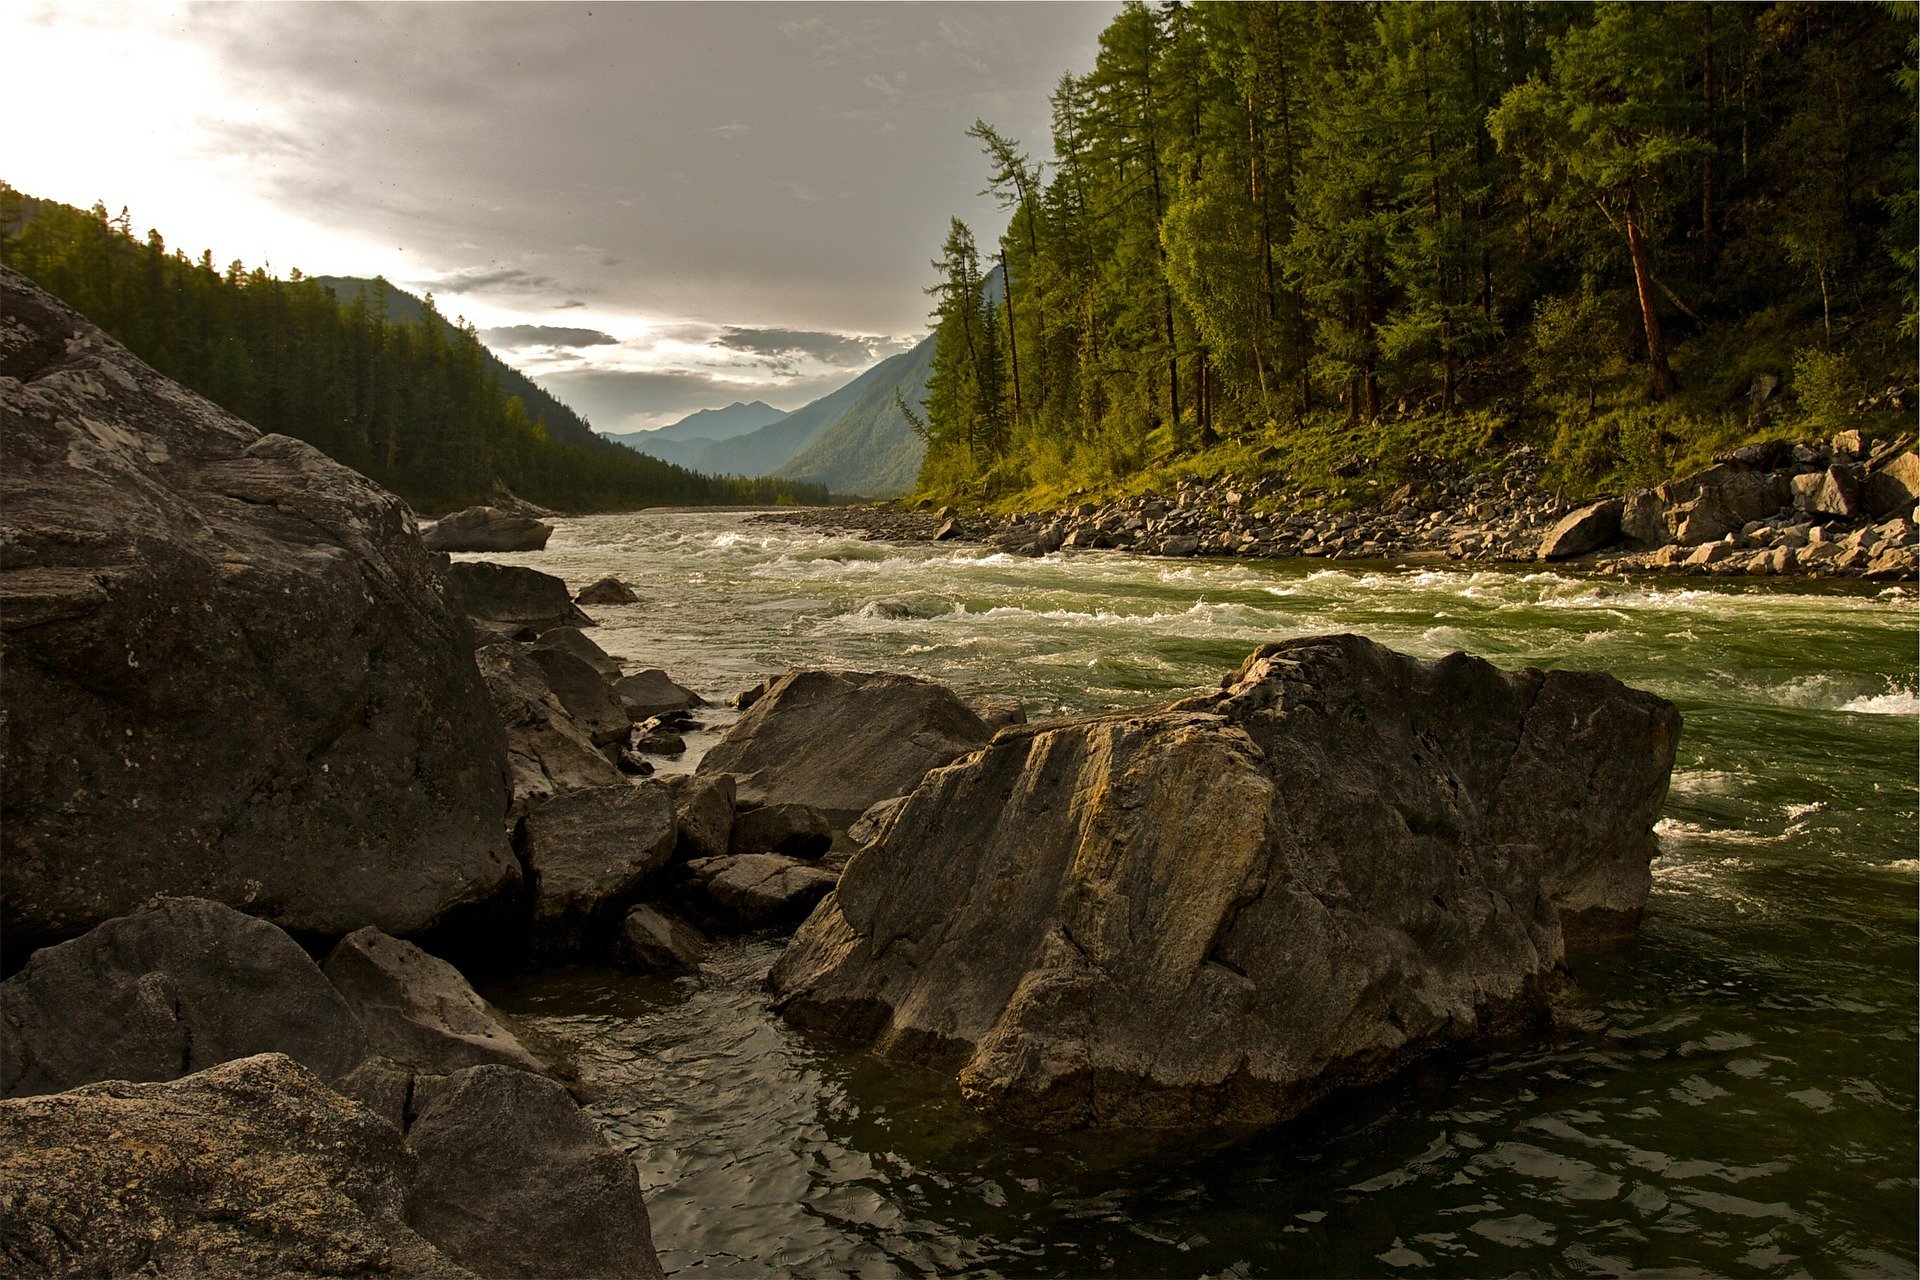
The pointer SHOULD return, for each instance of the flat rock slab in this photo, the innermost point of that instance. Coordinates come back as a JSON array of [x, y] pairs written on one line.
[[591, 853], [652, 692], [416, 1010], [252, 1168], [755, 890], [844, 740], [514, 1180], [230, 669], [156, 995], [486, 529], [1216, 913]]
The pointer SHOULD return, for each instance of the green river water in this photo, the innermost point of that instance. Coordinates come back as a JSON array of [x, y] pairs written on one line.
[[1734, 1096]]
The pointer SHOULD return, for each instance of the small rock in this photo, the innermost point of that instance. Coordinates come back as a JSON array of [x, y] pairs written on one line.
[[590, 853], [583, 692], [948, 530], [654, 938], [512, 595], [652, 692], [606, 591], [576, 642], [657, 742], [756, 890], [797, 830]]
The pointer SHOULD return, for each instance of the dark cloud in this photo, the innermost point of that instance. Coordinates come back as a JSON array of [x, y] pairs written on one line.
[[545, 335], [793, 163], [790, 344]]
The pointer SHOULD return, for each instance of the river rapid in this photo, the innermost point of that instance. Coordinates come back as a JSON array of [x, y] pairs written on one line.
[[1735, 1096]]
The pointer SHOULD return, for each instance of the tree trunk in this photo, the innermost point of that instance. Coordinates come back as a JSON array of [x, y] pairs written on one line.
[[1013, 333], [1663, 383]]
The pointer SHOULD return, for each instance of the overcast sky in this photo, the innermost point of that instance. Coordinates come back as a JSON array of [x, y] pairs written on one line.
[[653, 208]]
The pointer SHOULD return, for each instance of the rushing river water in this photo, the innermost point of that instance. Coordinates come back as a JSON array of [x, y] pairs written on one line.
[[1735, 1096]]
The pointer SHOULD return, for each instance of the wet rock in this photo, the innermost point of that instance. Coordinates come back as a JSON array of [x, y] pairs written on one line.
[[583, 693], [548, 755], [513, 1180], [841, 740], [649, 693], [797, 830], [186, 985], [576, 642], [415, 1009], [755, 890], [589, 854], [1180, 545], [511, 595], [606, 591], [1590, 528], [703, 814], [230, 671], [486, 529], [657, 740], [1220, 912], [250, 1168], [654, 938]]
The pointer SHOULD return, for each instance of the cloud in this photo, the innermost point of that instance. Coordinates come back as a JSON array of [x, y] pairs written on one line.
[[494, 280], [789, 344], [634, 400], [545, 335]]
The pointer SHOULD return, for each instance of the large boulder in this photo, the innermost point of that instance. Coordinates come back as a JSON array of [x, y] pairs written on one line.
[[486, 529], [1643, 518], [512, 596], [1592, 527], [757, 890], [1894, 485], [589, 854], [251, 1168], [1708, 505], [843, 740], [416, 1011], [547, 754], [230, 669], [580, 645], [152, 996], [1219, 912], [583, 691], [513, 1180]]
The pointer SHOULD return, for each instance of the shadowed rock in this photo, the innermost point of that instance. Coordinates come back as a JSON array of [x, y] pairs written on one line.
[[417, 1011], [1592, 527], [608, 590], [797, 830], [156, 995], [843, 740], [486, 529], [230, 669], [703, 813], [652, 692], [583, 691], [1218, 912], [755, 890], [653, 938], [590, 853], [547, 753], [512, 595], [513, 1180], [580, 645]]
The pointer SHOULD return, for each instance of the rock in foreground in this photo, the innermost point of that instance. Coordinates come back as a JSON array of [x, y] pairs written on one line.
[[230, 670], [1219, 912], [843, 740]]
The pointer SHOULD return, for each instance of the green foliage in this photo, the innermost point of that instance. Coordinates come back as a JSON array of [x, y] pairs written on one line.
[[409, 402], [1314, 233], [1827, 387]]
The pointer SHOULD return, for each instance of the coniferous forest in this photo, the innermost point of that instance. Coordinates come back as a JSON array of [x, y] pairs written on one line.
[[408, 402], [1341, 241]]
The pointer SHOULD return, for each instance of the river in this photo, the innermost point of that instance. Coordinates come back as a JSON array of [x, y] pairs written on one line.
[[1735, 1096]]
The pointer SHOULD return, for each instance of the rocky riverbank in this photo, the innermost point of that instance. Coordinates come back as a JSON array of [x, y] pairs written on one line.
[[1839, 508]]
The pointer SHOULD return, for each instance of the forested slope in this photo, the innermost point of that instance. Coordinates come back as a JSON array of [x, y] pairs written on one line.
[[409, 403], [1345, 241]]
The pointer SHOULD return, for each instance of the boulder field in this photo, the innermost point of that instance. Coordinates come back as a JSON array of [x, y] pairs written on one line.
[[1218, 912], [231, 668]]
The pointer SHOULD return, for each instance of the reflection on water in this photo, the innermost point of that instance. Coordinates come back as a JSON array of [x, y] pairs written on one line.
[[1735, 1096]]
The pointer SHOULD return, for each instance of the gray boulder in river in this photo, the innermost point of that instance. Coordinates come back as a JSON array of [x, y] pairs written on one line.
[[844, 740], [1218, 912], [511, 596], [230, 670], [486, 529]]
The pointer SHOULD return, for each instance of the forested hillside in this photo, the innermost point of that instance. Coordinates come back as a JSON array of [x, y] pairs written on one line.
[[1349, 241], [409, 403]]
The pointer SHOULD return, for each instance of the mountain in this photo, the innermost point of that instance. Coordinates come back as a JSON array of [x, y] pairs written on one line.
[[861, 435], [719, 424], [869, 448], [396, 304]]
